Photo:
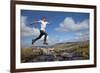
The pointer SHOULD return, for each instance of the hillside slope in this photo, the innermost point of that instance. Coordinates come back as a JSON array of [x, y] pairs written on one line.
[[58, 52]]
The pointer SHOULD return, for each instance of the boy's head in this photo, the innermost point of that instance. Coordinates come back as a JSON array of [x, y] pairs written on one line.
[[43, 18]]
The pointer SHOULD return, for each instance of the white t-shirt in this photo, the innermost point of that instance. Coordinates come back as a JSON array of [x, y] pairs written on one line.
[[43, 24]]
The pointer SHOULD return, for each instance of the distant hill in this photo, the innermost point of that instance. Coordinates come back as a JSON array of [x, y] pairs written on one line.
[[68, 44]]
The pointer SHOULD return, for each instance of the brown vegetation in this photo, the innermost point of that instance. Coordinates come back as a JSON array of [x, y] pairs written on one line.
[[61, 52]]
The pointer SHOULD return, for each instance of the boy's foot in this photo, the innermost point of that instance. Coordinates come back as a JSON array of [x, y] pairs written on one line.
[[32, 42], [45, 43]]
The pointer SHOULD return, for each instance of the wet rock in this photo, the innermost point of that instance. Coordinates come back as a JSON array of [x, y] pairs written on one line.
[[45, 58], [66, 55]]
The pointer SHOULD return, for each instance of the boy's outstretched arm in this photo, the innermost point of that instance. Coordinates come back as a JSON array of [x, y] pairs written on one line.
[[49, 23], [34, 22]]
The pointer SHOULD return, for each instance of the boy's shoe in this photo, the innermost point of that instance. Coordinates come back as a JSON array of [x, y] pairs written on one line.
[[45, 43], [32, 42]]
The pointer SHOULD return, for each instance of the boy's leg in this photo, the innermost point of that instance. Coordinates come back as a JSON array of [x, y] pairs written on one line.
[[45, 38], [41, 34]]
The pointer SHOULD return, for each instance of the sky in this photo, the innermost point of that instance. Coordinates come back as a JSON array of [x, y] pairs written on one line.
[[63, 27]]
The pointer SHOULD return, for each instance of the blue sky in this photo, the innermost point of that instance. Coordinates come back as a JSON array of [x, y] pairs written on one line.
[[64, 26]]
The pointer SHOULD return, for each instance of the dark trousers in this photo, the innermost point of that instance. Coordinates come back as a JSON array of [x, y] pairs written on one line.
[[41, 34]]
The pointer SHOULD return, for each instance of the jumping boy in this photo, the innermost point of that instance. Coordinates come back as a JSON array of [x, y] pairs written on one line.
[[43, 22]]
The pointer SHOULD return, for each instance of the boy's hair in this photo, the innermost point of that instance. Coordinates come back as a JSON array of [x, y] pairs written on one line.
[[43, 18]]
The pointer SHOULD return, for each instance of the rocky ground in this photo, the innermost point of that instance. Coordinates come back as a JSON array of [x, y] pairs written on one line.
[[57, 52]]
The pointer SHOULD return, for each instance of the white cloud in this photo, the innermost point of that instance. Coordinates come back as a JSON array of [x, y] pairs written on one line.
[[80, 29], [82, 36], [27, 31], [69, 24]]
